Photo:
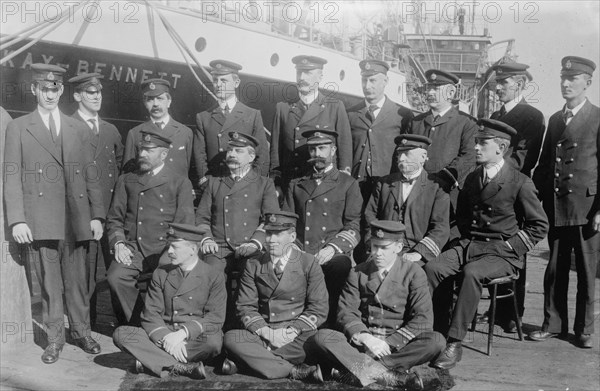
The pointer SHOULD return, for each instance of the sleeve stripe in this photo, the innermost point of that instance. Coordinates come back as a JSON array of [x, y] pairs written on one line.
[[308, 321], [406, 333], [349, 236], [525, 238], [155, 330], [199, 325], [431, 245], [252, 320]]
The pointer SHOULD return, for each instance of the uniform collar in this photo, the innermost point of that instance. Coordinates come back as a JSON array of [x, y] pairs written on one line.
[[86, 118], [228, 102], [492, 171], [575, 109], [310, 98], [508, 106]]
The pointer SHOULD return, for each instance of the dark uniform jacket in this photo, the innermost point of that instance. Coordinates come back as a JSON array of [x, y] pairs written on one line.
[[210, 141], [107, 148], [299, 299], [452, 151], [525, 146], [567, 175], [196, 302], [373, 143], [234, 210], [401, 304], [289, 152], [507, 208], [180, 153], [329, 213], [143, 206], [426, 212], [40, 180]]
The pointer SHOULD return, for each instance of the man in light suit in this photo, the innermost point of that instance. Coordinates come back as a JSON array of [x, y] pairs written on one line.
[[183, 313], [500, 219], [145, 201], [54, 206], [281, 303], [107, 149], [156, 96], [568, 178], [228, 115], [311, 109]]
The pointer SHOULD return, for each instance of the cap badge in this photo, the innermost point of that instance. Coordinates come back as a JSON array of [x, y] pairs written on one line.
[[499, 71], [235, 135], [367, 66], [304, 61], [481, 127], [50, 76], [147, 137], [171, 231], [152, 86], [433, 76], [219, 65], [379, 233], [272, 219], [404, 141], [568, 64], [318, 134]]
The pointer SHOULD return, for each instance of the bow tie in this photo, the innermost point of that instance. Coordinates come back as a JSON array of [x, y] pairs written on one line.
[[317, 175], [406, 180]]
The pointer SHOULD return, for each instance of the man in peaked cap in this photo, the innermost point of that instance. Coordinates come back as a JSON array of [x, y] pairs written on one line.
[[374, 123], [567, 177], [329, 205], [156, 96], [281, 302], [107, 148], [511, 80], [227, 115], [178, 335], [451, 154], [55, 215], [144, 202], [500, 219], [383, 345], [309, 110], [413, 199], [232, 206]]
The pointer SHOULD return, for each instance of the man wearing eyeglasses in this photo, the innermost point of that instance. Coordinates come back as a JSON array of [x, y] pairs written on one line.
[[107, 150]]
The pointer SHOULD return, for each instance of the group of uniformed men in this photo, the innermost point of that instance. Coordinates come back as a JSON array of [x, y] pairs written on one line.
[[319, 254]]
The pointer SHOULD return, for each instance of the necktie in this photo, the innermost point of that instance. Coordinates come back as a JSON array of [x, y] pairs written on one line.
[[94, 127], [237, 178], [52, 126], [436, 119], [567, 115], [486, 178], [278, 269], [226, 110], [159, 125], [403, 179], [317, 175], [383, 275], [502, 111], [371, 112]]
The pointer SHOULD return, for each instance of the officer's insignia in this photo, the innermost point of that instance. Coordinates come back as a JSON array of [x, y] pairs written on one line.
[[50, 76], [152, 86], [147, 137], [433, 76], [481, 127], [235, 135], [219, 66], [272, 219], [568, 64], [367, 66], [404, 141], [499, 71], [304, 61], [379, 234], [171, 231], [318, 134]]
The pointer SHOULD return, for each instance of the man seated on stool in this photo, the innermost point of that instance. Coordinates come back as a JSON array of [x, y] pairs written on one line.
[[281, 302], [495, 202], [386, 313], [183, 314]]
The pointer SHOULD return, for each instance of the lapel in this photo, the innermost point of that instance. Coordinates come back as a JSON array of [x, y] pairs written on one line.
[[362, 113], [217, 115], [329, 182], [238, 112], [418, 187], [374, 281], [315, 109], [41, 133], [308, 185], [292, 273], [577, 121], [386, 288], [429, 119], [102, 136], [242, 183], [151, 181], [171, 129], [267, 274], [396, 190], [192, 281], [446, 117], [295, 110], [495, 185], [174, 278], [386, 109]]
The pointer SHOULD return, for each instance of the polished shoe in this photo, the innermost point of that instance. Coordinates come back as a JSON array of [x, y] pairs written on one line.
[[541, 335], [450, 356], [88, 345], [311, 373], [229, 367], [510, 327], [584, 341], [403, 379], [193, 370], [138, 368], [51, 353], [483, 318]]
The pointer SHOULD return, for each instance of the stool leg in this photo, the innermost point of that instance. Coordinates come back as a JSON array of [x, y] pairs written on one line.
[[492, 319], [516, 307], [473, 322]]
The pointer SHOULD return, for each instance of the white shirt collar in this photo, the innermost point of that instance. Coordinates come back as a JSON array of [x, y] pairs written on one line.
[[157, 169], [243, 174], [508, 106], [86, 119], [575, 109], [493, 170], [229, 102], [165, 120], [310, 98], [191, 267], [443, 112], [414, 175], [388, 268], [283, 259], [379, 103], [45, 114]]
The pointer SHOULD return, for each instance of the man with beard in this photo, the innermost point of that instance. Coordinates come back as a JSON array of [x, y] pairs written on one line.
[[145, 202], [309, 110], [178, 335], [228, 115], [567, 177], [281, 303], [231, 210], [500, 219], [157, 100], [107, 149], [329, 205], [452, 153], [413, 199], [54, 207], [385, 313]]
